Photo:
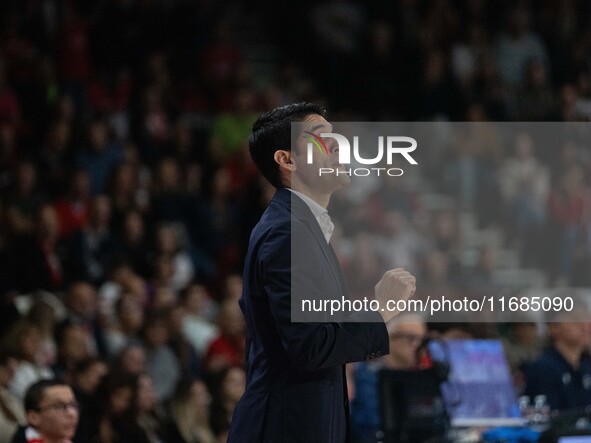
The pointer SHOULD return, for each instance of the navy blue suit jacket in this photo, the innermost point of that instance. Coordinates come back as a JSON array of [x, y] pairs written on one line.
[[295, 384]]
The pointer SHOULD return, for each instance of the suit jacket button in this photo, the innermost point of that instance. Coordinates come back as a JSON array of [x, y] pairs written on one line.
[[378, 354], [373, 355], [367, 357]]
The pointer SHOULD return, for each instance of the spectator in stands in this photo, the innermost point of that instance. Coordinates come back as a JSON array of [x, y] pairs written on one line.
[[24, 340], [569, 204], [436, 278], [364, 266], [480, 278], [471, 173], [160, 292], [189, 360], [517, 46], [131, 359], [168, 199], [55, 157], [37, 258], [536, 100], [407, 333], [190, 413], [91, 249], [400, 243], [117, 421], [73, 210], [161, 362], [127, 325], [123, 191], [100, 157], [563, 372], [134, 242], [12, 413], [72, 349], [52, 413], [228, 349], [44, 315], [227, 386], [230, 130], [232, 287], [156, 131], [82, 303], [169, 245], [23, 199], [525, 184], [196, 325], [522, 345], [150, 411], [88, 376], [439, 88], [221, 210], [119, 275]]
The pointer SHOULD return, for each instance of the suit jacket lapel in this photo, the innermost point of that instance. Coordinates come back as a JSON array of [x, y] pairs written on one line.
[[300, 210]]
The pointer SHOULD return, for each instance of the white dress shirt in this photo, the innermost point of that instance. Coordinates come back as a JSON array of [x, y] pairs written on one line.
[[321, 214]]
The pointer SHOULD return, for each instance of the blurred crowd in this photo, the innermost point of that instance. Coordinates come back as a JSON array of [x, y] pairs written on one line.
[[127, 194]]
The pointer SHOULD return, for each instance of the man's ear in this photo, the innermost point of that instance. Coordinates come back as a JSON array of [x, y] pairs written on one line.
[[33, 418], [284, 160]]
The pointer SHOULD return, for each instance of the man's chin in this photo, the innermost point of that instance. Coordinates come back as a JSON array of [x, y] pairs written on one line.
[[344, 181]]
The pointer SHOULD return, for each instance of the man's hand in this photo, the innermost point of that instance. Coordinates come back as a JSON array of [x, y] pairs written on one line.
[[396, 284]]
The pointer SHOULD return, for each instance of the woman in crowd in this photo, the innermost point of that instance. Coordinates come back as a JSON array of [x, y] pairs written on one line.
[[117, 421], [24, 341], [227, 386], [150, 413], [190, 413]]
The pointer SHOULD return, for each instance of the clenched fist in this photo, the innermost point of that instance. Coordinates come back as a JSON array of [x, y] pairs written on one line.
[[396, 284]]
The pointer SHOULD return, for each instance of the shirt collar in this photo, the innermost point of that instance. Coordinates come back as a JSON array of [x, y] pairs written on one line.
[[320, 213], [316, 209]]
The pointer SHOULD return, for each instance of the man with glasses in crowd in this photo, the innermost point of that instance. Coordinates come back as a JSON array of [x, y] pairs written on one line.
[[52, 413], [407, 333]]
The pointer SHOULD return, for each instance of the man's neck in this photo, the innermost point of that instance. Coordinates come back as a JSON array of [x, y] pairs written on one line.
[[571, 354], [321, 199], [33, 435]]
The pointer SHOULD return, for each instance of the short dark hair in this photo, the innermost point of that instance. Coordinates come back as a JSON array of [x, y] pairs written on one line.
[[272, 131], [85, 364], [36, 392], [6, 356]]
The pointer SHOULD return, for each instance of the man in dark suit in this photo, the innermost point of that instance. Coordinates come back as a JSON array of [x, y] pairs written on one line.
[[296, 387], [563, 372]]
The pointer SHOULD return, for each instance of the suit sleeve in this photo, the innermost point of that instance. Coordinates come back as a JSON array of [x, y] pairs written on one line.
[[318, 345]]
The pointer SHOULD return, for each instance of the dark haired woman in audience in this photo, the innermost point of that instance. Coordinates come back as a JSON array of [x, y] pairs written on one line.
[[190, 414], [118, 416]]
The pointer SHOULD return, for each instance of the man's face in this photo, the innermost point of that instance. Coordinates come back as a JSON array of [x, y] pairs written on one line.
[[74, 346], [308, 174], [83, 300], [405, 339], [572, 334], [57, 416]]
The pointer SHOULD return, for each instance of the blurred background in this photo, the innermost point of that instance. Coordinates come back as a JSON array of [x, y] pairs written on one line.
[[127, 194]]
